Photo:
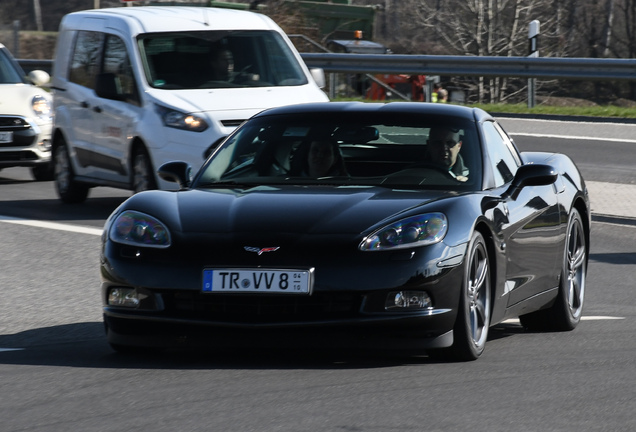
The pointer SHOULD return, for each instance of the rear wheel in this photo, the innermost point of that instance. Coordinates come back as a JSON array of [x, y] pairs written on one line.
[[143, 173], [565, 313], [473, 316], [69, 190]]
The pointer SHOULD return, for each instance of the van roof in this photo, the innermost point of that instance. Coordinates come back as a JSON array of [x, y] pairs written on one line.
[[150, 19]]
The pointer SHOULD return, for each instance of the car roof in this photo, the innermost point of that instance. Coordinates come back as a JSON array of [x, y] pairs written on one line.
[[150, 19], [362, 108]]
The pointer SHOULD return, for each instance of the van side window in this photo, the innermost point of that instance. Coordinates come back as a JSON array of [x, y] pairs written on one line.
[[85, 59], [502, 159], [117, 62]]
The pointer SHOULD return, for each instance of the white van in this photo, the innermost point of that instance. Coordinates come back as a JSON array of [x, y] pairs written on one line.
[[135, 87]]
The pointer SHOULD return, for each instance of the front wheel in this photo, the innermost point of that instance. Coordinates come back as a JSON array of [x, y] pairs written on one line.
[[69, 190], [473, 315], [43, 172]]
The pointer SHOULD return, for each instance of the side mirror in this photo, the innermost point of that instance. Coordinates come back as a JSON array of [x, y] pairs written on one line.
[[319, 76], [106, 86], [176, 172], [532, 175], [39, 77]]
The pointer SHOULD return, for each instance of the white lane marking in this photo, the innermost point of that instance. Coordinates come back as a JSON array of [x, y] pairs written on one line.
[[584, 318], [52, 225], [11, 349], [573, 137]]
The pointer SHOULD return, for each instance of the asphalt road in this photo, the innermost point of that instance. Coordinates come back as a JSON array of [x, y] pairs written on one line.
[[58, 374]]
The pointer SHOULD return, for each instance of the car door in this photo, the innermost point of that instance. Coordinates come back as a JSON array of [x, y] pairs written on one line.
[[530, 223], [115, 118]]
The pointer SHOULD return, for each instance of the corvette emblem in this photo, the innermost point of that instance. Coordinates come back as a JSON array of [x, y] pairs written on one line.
[[261, 251]]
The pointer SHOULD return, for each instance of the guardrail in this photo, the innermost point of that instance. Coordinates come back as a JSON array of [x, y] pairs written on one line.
[[521, 67]]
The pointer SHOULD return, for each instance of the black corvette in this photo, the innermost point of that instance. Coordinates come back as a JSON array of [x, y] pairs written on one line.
[[393, 226]]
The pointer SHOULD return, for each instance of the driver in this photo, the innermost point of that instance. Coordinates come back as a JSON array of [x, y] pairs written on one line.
[[220, 64], [442, 149]]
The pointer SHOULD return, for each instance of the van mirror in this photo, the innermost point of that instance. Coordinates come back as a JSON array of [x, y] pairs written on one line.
[[106, 86], [319, 76]]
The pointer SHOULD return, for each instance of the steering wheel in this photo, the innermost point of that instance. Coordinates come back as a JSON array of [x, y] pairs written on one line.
[[431, 166]]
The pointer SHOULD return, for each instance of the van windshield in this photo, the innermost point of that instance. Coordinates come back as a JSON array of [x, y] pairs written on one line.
[[219, 59]]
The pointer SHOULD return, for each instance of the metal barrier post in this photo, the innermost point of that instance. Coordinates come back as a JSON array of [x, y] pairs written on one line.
[[533, 39]]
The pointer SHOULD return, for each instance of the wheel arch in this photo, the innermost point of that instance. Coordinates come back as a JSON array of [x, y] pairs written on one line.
[[137, 145], [583, 210], [489, 238]]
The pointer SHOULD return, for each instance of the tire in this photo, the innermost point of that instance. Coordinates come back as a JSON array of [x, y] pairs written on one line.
[[565, 313], [470, 332], [69, 190], [43, 172], [143, 177]]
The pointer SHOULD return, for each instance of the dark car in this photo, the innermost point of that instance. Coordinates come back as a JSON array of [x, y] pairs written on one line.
[[394, 226]]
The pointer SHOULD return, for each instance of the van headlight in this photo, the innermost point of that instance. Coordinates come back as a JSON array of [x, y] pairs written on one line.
[[179, 120]]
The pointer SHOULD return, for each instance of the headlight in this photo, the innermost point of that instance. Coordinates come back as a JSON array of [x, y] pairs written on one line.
[[41, 106], [415, 231], [138, 229], [179, 120]]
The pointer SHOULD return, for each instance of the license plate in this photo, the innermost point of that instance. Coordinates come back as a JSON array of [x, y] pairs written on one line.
[[6, 137], [269, 281]]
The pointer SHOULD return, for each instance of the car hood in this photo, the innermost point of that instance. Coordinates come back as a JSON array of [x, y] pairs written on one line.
[[236, 101], [16, 98], [296, 210]]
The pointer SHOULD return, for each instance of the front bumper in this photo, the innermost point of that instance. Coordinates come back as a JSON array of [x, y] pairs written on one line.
[[411, 334], [340, 319], [30, 144]]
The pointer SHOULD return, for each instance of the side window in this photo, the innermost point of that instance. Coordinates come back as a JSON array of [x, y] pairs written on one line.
[[85, 59], [117, 62], [503, 160]]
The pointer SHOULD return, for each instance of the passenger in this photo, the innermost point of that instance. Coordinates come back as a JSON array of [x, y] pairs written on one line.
[[323, 159], [443, 148]]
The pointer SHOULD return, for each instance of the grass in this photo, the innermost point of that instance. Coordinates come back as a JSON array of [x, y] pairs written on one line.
[[588, 111]]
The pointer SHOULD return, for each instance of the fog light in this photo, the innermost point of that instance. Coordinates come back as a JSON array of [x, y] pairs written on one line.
[[124, 297], [408, 300], [45, 145]]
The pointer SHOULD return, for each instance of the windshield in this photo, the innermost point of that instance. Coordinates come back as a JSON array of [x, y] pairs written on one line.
[[8, 73], [398, 150], [219, 59]]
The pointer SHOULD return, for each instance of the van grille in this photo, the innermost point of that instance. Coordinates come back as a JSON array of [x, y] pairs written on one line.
[[232, 123]]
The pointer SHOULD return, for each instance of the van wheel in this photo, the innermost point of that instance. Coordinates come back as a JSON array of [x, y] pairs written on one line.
[[143, 173], [69, 190]]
